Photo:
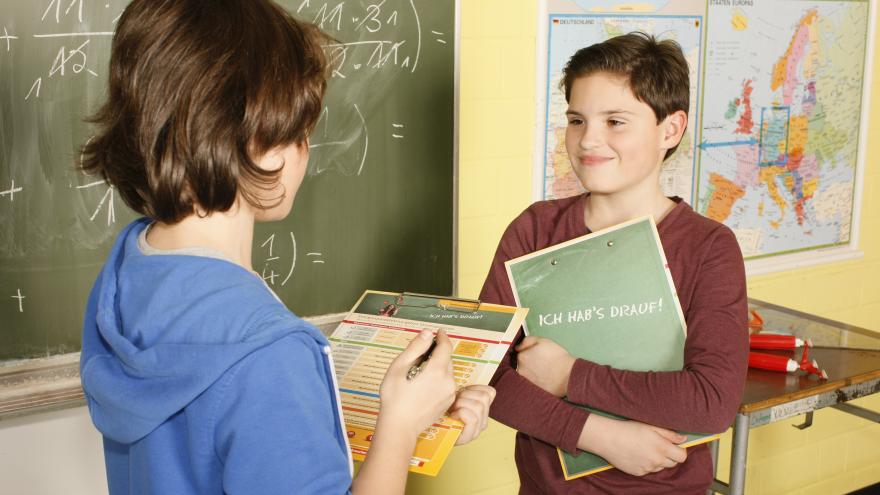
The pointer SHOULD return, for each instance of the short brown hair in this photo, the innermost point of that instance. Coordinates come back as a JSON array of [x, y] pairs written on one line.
[[197, 90], [656, 71]]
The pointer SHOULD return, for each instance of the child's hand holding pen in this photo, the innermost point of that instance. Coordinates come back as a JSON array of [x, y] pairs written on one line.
[[420, 386], [413, 400], [471, 405]]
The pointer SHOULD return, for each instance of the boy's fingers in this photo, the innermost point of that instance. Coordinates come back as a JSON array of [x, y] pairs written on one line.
[[416, 348], [477, 401], [488, 389], [442, 354], [670, 435], [483, 393], [481, 398], [527, 342], [471, 424], [678, 455], [674, 452]]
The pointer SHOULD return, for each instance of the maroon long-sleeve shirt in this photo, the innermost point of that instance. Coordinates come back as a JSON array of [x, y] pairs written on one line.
[[707, 268]]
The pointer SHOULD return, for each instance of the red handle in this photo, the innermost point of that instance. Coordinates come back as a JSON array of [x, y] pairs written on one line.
[[771, 362], [772, 341]]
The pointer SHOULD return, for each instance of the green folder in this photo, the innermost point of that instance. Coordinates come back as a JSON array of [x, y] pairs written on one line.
[[607, 297]]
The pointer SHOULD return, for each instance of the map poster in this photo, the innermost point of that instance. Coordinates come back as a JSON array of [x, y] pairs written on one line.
[[576, 24], [782, 106], [778, 87]]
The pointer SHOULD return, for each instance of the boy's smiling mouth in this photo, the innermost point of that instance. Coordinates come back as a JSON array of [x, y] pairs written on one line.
[[593, 160]]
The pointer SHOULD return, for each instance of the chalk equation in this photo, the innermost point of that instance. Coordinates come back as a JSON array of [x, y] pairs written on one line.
[[384, 131], [395, 32], [279, 259], [64, 29]]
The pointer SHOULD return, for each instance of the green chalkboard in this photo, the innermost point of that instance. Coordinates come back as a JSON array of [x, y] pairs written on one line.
[[375, 211]]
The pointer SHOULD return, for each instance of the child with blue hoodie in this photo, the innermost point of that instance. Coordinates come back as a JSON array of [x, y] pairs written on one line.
[[199, 378]]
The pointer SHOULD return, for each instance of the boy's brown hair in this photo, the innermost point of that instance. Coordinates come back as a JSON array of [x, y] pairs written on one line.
[[656, 71], [197, 90]]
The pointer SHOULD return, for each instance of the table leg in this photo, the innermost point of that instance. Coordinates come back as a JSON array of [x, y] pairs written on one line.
[[713, 449], [738, 454]]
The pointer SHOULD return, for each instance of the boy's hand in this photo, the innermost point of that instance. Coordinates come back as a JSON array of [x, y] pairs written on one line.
[[634, 448], [544, 363], [471, 407], [410, 406]]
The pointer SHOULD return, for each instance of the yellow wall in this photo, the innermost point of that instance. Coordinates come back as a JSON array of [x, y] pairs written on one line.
[[838, 454]]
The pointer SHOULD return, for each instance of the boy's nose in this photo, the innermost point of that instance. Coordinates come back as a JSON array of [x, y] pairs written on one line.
[[591, 137]]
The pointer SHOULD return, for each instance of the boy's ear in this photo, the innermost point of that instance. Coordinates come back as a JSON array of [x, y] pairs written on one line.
[[674, 126]]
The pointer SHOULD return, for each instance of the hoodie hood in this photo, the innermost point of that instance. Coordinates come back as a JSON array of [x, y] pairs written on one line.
[[160, 329]]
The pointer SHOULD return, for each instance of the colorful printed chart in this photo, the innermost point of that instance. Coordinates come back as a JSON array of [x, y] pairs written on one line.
[[381, 325]]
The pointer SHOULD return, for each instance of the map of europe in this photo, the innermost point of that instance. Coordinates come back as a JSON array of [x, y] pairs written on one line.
[[779, 142], [772, 145]]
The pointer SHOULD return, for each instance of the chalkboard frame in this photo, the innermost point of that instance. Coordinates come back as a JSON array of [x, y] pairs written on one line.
[[33, 386], [38, 385]]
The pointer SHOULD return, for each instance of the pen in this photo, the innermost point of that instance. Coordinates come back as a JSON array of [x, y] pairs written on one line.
[[416, 368]]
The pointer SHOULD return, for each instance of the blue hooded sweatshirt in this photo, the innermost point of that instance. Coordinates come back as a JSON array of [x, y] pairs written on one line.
[[203, 382]]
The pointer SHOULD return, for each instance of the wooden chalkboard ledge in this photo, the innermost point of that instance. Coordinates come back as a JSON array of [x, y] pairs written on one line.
[[40, 385]]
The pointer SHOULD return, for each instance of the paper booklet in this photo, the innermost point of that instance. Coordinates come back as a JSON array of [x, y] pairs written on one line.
[[607, 297], [381, 325]]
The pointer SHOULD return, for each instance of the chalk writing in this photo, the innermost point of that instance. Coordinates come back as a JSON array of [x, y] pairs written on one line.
[[273, 259], [57, 5], [20, 299], [371, 20], [74, 35], [36, 85], [601, 312], [69, 60], [352, 130], [7, 37], [11, 191], [61, 60], [58, 224], [108, 195]]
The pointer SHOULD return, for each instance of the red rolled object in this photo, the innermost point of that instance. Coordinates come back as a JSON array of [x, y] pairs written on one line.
[[772, 362], [774, 341]]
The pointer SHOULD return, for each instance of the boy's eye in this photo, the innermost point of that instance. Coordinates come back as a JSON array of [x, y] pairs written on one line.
[[575, 121], [615, 123]]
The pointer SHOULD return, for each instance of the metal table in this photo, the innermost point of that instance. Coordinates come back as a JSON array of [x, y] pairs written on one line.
[[850, 355]]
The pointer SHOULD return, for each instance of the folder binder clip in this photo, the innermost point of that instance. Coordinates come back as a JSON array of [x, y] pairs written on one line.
[[457, 304]]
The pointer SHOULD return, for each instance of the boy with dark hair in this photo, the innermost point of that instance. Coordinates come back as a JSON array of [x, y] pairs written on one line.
[[199, 378], [627, 111]]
